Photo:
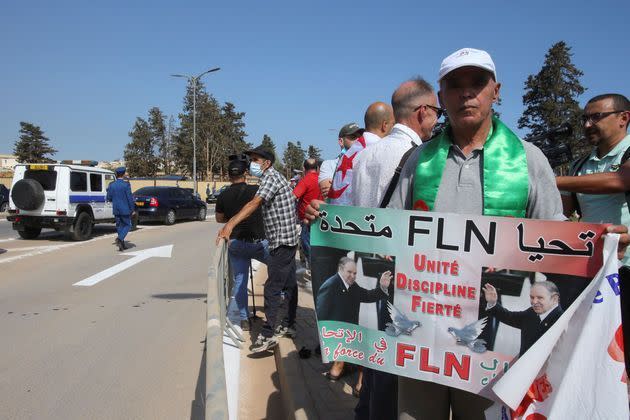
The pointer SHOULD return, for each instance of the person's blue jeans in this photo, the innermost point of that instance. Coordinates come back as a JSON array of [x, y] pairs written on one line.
[[241, 253], [123, 225], [305, 238]]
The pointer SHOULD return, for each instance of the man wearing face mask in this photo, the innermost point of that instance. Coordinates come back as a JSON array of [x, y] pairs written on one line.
[[348, 134], [247, 240], [276, 199]]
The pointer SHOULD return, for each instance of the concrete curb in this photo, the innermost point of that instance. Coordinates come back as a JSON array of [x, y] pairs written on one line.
[[298, 405]]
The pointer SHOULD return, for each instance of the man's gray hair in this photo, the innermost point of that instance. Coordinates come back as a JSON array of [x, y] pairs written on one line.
[[550, 286], [343, 261], [407, 97]]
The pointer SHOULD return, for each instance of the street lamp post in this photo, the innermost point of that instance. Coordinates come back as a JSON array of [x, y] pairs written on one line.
[[194, 80]]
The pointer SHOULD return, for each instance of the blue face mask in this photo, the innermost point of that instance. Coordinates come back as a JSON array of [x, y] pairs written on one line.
[[255, 169]]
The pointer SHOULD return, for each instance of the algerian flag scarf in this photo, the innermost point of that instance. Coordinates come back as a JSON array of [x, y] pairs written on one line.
[[505, 176]]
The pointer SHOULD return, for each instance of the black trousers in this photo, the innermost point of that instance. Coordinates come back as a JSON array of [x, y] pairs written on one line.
[[379, 396], [280, 290]]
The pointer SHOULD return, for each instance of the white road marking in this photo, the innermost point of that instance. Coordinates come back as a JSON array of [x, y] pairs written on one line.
[[8, 239], [138, 256]]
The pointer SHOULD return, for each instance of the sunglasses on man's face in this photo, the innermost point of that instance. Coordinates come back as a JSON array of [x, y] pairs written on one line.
[[596, 117], [438, 111]]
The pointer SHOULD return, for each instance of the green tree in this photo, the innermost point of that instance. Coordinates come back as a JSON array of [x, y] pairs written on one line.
[[267, 143], [139, 154], [230, 138], [208, 122], [293, 158], [550, 97], [32, 146], [159, 137], [167, 152], [314, 152]]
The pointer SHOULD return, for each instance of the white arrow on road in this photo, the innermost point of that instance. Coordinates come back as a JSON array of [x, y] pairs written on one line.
[[138, 256]]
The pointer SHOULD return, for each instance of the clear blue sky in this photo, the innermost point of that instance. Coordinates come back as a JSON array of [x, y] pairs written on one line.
[[84, 71]]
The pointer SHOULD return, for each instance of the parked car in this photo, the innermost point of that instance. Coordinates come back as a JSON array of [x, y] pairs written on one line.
[[168, 204], [192, 191], [4, 198], [212, 198]]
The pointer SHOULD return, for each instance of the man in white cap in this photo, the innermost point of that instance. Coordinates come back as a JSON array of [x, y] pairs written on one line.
[[477, 165]]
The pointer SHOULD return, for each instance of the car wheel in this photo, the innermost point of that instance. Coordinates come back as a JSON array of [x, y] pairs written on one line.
[[28, 194], [82, 227], [29, 233], [170, 217], [3, 207], [202, 214]]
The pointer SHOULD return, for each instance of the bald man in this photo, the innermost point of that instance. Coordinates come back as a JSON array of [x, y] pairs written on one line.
[[416, 112], [379, 120]]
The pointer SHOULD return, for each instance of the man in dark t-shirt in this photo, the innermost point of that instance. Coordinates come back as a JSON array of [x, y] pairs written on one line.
[[247, 240]]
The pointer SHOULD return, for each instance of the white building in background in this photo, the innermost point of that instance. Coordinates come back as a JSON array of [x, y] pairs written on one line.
[[110, 165], [8, 162]]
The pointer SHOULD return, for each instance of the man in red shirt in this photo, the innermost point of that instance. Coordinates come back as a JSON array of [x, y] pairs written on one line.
[[305, 191]]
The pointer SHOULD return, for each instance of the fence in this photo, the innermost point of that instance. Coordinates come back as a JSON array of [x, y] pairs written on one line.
[[219, 328]]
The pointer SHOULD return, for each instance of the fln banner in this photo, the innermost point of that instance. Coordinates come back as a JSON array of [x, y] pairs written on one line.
[[523, 312]]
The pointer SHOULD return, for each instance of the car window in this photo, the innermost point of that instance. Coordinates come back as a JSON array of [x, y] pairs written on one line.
[[96, 182], [147, 191], [48, 179], [109, 179], [78, 181]]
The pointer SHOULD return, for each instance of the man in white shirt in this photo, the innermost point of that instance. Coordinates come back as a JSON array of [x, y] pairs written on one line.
[[416, 112], [379, 120]]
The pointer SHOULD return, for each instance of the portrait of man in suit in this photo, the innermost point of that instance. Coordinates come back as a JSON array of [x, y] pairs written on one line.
[[533, 322], [339, 297]]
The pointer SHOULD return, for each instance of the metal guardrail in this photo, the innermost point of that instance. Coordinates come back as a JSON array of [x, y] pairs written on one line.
[[219, 283], [216, 404]]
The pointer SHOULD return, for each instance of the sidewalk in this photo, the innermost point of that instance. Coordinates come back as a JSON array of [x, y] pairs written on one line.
[[306, 392], [285, 386]]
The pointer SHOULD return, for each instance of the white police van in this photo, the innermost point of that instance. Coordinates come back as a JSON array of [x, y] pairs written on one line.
[[69, 196]]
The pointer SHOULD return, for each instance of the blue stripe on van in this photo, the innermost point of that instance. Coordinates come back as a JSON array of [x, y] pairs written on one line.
[[87, 198]]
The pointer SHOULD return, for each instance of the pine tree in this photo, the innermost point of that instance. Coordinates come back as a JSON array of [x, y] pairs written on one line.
[[268, 144], [167, 153], [314, 152], [207, 122], [140, 151], [550, 97], [293, 158], [32, 146], [158, 136]]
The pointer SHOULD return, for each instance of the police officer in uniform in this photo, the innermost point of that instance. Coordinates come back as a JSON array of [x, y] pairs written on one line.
[[119, 193]]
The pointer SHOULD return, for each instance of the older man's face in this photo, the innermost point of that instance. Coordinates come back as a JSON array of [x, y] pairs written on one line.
[[467, 94], [348, 272], [541, 299]]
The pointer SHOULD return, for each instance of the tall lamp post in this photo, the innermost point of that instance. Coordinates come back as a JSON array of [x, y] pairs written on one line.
[[194, 80]]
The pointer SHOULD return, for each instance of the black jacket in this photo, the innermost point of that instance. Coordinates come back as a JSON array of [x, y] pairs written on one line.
[[527, 321], [335, 303]]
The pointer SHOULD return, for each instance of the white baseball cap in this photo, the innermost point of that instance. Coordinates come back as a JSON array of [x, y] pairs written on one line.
[[467, 57]]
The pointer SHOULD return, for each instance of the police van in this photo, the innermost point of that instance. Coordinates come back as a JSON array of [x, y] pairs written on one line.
[[69, 196]]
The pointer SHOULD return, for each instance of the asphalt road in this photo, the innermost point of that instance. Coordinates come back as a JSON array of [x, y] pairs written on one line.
[[127, 347]]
